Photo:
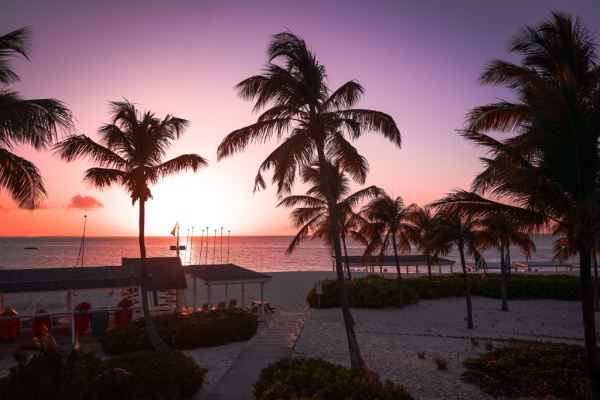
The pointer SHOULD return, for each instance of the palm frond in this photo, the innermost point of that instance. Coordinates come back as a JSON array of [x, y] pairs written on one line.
[[17, 43], [22, 180]]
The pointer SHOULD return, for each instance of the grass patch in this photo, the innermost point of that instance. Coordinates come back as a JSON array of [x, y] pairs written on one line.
[[531, 369], [440, 361]]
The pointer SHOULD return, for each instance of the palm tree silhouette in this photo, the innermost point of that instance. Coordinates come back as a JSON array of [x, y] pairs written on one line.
[[33, 122], [130, 154], [311, 213], [500, 232], [313, 119], [548, 171], [390, 225]]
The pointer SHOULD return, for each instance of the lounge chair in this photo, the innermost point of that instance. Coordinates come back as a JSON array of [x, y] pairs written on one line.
[[232, 303], [205, 306], [221, 305]]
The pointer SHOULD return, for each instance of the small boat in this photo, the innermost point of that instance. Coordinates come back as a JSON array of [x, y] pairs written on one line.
[[41, 325], [82, 321], [9, 328], [123, 317], [31, 248], [182, 247]]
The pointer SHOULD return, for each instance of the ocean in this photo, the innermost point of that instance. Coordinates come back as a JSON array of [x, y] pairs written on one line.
[[259, 253]]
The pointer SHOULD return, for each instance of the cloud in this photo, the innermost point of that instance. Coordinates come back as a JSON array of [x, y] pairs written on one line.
[[84, 203]]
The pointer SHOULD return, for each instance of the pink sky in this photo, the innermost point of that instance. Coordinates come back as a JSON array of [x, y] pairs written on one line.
[[417, 60]]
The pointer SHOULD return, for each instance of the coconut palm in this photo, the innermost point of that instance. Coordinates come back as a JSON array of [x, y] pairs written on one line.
[[550, 167], [34, 122], [425, 222], [499, 232], [463, 233], [312, 120], [391, 227], [311, 213], [130, 153]]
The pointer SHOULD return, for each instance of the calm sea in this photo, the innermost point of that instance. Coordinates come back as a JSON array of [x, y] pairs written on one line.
[[259, 253]]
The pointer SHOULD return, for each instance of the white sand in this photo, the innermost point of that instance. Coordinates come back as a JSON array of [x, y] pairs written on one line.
[[389, 338]]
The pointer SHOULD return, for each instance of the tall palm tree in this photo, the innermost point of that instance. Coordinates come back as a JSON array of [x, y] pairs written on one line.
[[311, 213], [130, 154], [310, 119], [499, 232], [552, 163], [454, 230], [425, 222], [33, 122], [391, 227]]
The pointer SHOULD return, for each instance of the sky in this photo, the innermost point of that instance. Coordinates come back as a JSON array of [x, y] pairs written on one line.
[[417, 60]]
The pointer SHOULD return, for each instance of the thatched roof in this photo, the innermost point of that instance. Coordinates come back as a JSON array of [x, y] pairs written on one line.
[[225, 274], [411, 260]]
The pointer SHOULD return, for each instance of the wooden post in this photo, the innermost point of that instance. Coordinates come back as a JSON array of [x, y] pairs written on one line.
[[262, 300], [209, 298], [195, 287], [243, 296]]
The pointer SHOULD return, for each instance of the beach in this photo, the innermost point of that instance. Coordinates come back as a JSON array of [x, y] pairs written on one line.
[[390, 338]]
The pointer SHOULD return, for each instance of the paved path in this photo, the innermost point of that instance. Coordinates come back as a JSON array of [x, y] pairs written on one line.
[[272, 343]]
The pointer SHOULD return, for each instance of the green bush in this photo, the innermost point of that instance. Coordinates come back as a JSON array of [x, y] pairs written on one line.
[[531, 369], [205, 329], [520, 287], [313, 378], [160, 374], [372, 291]]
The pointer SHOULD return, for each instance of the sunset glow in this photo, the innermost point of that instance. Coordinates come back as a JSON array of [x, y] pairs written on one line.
[[418, 62]]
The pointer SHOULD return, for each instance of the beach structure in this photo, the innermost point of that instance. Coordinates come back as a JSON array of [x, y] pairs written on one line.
[[535, 265], [226, 275], [390, 261], [166, 281]]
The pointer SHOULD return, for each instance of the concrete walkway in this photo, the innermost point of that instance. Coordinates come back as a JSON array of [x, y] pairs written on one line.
[[274, 342]]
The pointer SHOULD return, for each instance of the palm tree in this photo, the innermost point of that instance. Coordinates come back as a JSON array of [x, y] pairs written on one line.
[[454, 230], [390, 224], [313, 119], [499, 232], [425, 222], [550, 167], [33, 122], [311, 213], [130, 153]]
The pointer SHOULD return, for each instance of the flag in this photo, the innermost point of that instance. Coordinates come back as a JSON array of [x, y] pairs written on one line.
[[173, 231]]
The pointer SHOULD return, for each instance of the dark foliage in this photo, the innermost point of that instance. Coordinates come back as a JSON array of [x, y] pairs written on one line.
[[206, 329], [313, 378], [531, 369]]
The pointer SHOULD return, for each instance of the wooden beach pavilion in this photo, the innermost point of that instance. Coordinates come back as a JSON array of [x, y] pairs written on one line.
[[390, 261]]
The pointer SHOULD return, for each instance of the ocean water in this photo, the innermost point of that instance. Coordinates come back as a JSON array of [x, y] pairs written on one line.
[[259, 253]]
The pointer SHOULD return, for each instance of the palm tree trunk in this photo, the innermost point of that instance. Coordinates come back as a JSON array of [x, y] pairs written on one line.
[[508, 261], [346, 254], [467, 289], [155, 339], [596, 302], [356, 359], [400, 294], [503, 267], [589, 321]]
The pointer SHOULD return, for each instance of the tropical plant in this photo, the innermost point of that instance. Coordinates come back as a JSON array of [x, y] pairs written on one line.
[[423, 219], [500, 232], [316, 120], [390, 226], [34, 122], [463, 233], [311, 213], [51, 374], [130, 153], [547, 173]]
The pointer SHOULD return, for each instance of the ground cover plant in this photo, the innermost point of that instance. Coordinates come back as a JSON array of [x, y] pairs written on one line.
[[376, 292], [531, 369], [205, 329], [372, 291], [315, 378]]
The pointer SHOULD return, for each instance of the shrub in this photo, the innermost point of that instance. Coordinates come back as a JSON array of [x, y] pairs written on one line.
[[421, 353], [160, 374], [206, 329], [474, 342], [441, 362], [317, 379], [372, 291], [489, 346], [531, 369]]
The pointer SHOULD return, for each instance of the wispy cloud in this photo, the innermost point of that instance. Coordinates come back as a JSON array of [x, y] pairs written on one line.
[[84, 203]]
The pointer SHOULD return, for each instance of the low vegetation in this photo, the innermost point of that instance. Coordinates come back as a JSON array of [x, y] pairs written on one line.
[[44, 372], [372, 291], [206, 329], [314, 378], [531, 369], [377, 292]]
